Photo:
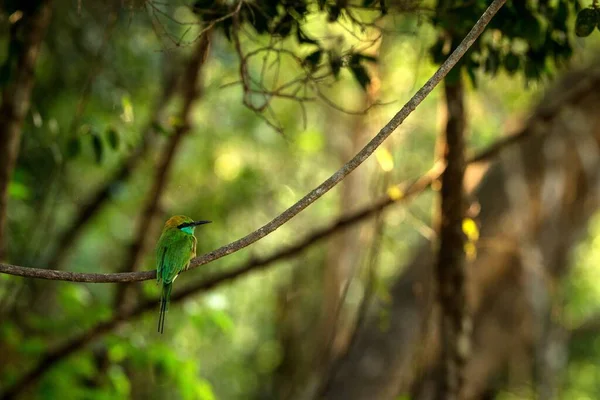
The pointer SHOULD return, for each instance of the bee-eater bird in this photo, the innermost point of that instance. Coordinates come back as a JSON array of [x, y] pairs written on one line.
[[175, 248]]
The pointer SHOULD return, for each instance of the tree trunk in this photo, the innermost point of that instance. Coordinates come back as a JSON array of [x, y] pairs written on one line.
[[450, 268]]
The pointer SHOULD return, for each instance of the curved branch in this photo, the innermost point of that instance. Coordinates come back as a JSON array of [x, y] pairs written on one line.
[[307, 200]]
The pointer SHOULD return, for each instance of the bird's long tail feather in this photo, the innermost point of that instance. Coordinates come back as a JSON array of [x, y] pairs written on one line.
[[164, 305]]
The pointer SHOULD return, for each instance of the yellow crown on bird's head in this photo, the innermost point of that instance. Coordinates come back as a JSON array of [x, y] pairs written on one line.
[[181, 221]]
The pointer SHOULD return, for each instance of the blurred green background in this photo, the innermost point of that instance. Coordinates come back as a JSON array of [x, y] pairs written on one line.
[[232, 342]]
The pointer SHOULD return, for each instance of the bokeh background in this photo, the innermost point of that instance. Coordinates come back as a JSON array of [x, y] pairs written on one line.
[[273, 333]]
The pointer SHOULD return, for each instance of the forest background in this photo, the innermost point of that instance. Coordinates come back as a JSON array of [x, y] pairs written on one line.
[[116, 116]]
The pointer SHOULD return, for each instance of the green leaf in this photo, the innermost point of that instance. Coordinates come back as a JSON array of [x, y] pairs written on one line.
[[160, 129], [84, 130], [73, 147], [117, 352], [84, 366], [335, 63], [97, 147], [32, 346], [559, 21], [334, 13], [223, 321], [587, 20], [284, 26], [119, 380], [203, 390], [472, 76], [10, 334], [532, 70], [127, 115], [361, 75], [299, 8], [437, 51], [313, 59], [310, 141], [227, 25], [268, 356], [113, 137], [18, 190], [532, 30], [492, 62], [511, 63], [303, 38]]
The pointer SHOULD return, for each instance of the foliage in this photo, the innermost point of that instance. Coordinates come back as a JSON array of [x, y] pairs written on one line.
[[587, 20], [287, 18], [525, 37]]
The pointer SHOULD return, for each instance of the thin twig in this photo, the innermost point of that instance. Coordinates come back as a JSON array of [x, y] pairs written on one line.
[[179, 42]]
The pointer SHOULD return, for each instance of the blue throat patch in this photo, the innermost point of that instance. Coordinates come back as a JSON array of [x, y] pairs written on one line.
[[188, 229]]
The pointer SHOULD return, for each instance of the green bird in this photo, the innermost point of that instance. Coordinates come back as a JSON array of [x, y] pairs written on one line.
[[175, 248]]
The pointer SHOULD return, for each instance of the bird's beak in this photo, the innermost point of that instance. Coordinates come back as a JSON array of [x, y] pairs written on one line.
[[196, 223]]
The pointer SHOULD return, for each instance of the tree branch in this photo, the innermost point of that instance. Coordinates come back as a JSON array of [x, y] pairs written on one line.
[[310, 198]]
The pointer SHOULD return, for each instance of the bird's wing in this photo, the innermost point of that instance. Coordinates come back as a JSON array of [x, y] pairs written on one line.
[[161, 253], [177, 257], [194, 243]]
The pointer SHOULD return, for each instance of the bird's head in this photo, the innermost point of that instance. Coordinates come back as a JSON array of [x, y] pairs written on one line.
[[183, 223]]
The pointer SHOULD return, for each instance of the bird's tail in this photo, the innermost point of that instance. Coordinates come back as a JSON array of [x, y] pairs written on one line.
[[164, 305]]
